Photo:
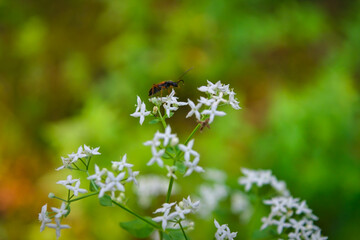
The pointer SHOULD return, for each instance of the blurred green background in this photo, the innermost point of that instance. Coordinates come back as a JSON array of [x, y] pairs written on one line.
[[70, 72]]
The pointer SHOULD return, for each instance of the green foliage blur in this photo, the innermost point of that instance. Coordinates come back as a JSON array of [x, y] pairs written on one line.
[[70, 72]]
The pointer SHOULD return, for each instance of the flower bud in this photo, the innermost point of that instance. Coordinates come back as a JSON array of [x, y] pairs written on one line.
[[51, 195], [155, 109], [174, 141]]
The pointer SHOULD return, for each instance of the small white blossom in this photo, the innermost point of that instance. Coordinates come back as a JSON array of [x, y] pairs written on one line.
[[180, 212], [68, 181], [213, 112], [156, 157], [43, 217], [205, 101], [112, 183], [60, 211], [66, 163], [119, 165], [193, 166], [76, 189], [75, 156], [154, 142], [281, 224], [166, 136], [132, 176], [223, 232], [141, 112], [165, 218], [317, 236], [194, 109], [187, 149], [165, 207], [91, 152], [188, 204], [98, 174], [171, 172], [57, 226]]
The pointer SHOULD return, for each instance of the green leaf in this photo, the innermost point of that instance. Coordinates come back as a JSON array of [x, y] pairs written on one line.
[[166, 156], [91, 187], [173, 234], [105, 201], [138, 228], [154, 121], [180, 166]]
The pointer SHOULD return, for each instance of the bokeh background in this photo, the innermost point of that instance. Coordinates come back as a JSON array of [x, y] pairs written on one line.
[[70, 72]]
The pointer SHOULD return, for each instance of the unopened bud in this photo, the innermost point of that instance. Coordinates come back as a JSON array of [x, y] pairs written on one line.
[[174, 141], [155, 109], [51, 195]]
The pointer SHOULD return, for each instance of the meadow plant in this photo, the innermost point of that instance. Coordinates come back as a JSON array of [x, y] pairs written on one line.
[[289, 217]]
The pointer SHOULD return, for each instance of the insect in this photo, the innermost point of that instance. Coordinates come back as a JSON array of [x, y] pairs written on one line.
[[166, 84]]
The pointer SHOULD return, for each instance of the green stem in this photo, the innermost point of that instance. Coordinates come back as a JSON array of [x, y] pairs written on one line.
[[136, 215], [182, 229], [192, 133], [161, 118], [59, 198], [85, 196], [169, 189]]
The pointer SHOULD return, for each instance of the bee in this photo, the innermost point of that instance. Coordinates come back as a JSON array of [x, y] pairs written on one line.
[[166, 84]]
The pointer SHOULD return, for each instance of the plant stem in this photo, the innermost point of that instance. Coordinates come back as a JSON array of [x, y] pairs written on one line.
[[85, 196], [136, 215], [169, 189], [192, 133], [182, 229], [161, 118]]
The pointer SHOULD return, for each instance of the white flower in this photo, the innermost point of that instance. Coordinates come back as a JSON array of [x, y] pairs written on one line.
[[302, 208], [98, 174], [223, 232], [267, 221], [91, 152], [205, 101], [188, 204], [165, 218], [76, 189], [75, 156], [132, 176], [297, 225], [194, 109], [233, 101], [213, 112], [68, 181], [154, 142], [112, 183], [193, 166], [281, 224], [317, 236], [181, 211], [141, 112], [167, 135], [119, 165], [57, 226], [165, 207], [138, 105], [171, 171], [187, 149], [66, 163], [156, 157], [60, 211], [43, 217]]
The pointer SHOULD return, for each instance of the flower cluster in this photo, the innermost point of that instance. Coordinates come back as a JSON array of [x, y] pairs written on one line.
[[170, 103], [68, 183], [45, 219], [292, 217], [186, 206], [223, 232], [74, 157], [113, 182], [261, 178]]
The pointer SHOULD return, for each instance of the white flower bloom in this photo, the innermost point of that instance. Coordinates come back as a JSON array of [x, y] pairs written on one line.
[[194, 109], [188, 204], [317, 236], [193, 166], [171, 172], [98, 174], [141, 112], [165, 218], [66, 163], [132, 176], [156, 157], [302, 208], [91, 152], [281, 224], [167, 135], [267, 221], [205, 101], [57, 226], [75, 156], [112, 183], [43, 217], [187, 149], [180, 212], [223, 232], [119, 165], [213, 112], [60, 211], [154, 142], [233, 101], [165, 207], [68, 181], [138, 105], [297, 225], [76, 189]]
